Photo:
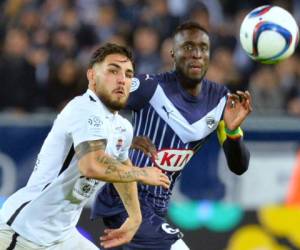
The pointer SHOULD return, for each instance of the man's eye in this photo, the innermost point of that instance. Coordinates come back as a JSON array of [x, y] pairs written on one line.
[[113, 71], [188, 47]]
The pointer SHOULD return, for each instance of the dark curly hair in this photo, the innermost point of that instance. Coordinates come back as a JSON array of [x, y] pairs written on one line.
[[108, 49], [190, 25]]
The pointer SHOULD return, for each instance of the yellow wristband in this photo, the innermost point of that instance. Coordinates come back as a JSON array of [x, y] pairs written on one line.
[[234, 134]]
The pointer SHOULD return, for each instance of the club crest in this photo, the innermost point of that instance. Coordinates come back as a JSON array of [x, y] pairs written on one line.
[[210, 121]]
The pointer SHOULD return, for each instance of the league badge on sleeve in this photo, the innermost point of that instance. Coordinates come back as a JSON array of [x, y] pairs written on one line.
[[134, 84], [95, 125], [95, 121]]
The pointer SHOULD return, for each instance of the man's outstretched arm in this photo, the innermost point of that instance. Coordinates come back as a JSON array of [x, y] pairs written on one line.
[[129, 196], [237, 108], [236, 152], [94, 163]]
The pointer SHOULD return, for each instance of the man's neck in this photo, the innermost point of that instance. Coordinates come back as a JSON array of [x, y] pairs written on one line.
[[191, 86], [103, 102]]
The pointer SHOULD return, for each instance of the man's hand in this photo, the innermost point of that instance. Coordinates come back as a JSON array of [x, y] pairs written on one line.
[[144, 144], [120, 236], [153, 176], [238, 107]]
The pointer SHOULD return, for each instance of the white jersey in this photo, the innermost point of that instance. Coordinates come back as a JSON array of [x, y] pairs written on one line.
[[47, 209]]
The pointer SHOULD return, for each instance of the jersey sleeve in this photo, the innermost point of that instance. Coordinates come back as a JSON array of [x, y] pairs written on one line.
[[84, 124], [236, 153], [142, 89]]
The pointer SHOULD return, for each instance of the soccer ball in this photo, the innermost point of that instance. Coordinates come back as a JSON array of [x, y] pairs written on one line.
[[269, 34]]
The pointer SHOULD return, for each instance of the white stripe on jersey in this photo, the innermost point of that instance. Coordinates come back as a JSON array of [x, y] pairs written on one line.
[[187, 132]]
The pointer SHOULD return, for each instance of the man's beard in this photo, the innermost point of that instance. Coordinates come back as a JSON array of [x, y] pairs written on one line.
[[113, 105]]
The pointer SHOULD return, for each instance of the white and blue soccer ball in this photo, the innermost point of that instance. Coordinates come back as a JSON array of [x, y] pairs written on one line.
[[269, 34]]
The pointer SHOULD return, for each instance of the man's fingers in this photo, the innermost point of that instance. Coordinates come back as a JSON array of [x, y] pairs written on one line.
[[249, 98], [108, 230], [165, 181], [109, 235], [113, 238], [113, 242], [246, 100], [232, 99]]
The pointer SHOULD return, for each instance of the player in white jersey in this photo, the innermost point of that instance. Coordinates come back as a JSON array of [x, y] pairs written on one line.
[[88, 142]]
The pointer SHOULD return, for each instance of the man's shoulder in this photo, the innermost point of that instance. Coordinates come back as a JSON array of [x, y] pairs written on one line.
[[142, 89], [214, 88], [144, 85], [169, 75], [83, 104]]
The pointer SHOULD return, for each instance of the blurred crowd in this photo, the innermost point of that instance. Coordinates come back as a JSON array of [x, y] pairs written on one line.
[[45, 46]]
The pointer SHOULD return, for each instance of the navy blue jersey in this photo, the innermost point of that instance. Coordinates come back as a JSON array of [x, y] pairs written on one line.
[[176, 122]]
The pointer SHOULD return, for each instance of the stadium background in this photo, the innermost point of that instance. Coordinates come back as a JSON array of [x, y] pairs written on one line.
[[44, 48]]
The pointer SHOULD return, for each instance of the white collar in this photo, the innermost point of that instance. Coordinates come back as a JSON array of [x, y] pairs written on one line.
[[95, 98]]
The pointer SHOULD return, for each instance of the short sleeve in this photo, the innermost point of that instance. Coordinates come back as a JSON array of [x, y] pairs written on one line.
[[142, 89], [84, 124]]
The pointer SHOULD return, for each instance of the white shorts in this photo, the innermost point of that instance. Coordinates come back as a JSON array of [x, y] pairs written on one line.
[[12, 241]]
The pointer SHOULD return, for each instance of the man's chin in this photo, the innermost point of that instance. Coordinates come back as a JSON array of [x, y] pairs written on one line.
[[194, 77], [117, 105]]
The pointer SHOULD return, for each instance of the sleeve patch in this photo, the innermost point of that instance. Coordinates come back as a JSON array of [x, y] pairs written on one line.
[[95, 125], [134, 84]]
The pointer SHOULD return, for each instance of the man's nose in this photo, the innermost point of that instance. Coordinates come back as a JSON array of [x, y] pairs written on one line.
[[121, 79], [197, 53]]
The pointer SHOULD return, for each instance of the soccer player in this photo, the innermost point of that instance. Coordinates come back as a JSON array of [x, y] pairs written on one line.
[[88, 143], [178, 111]]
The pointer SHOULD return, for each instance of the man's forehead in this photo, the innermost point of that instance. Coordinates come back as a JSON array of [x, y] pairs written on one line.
[[193, 35], [118, 59]]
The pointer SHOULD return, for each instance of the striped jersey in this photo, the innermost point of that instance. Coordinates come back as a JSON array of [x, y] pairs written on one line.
[[176, 122], [47, 209]]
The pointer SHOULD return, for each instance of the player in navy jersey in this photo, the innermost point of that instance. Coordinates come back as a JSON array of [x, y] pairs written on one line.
[[177, 111]]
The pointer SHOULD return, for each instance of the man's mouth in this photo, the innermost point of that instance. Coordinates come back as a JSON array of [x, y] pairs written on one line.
[[119, 91], [195, 66]]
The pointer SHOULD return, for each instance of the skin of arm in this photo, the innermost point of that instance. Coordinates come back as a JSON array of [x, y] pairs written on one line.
[[129, 195], [94, 163]]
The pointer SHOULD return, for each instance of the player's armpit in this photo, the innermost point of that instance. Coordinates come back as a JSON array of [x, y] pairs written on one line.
[[89, 146]]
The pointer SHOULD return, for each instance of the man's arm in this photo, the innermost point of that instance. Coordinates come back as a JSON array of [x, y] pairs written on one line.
[[230, 135], [237, 155], [129, 196], [94, 163]]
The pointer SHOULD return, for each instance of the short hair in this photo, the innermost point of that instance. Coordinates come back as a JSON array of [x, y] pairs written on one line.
[[189, 25], [107, 49]]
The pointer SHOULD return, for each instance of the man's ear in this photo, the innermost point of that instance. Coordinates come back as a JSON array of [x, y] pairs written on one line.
[[90, 74], [172, 53]]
